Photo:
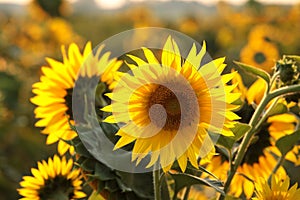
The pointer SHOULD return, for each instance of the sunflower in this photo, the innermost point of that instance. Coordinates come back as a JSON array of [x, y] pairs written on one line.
[[278, 190], [260, 54], [258, 162], [282, 125], [53, 93], [168, 106], [254, 93], [260, 33], [55, 179]]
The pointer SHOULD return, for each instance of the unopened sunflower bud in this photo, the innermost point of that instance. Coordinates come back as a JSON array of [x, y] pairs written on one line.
[[288, 71]]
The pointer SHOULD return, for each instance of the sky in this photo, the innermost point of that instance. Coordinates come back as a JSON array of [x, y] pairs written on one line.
[[113, 4]]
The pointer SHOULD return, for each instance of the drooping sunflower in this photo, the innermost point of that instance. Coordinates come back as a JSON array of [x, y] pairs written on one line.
[[55, 179], [278, 190], [53, 93], [168, 106], [260, 54]]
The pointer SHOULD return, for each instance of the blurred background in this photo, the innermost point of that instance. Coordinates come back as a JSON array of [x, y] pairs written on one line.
[[30, 30]]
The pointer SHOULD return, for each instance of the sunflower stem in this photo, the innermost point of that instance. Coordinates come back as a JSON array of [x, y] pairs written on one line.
[[279, 163], [273, 79], [156, 182], [254, 122]]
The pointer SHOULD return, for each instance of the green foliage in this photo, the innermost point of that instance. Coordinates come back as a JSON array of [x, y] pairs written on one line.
[[254, 70], [121, 185], [239, 130], [286, 143], [9, 90], [168, 186], [184, 180], [279, 108]]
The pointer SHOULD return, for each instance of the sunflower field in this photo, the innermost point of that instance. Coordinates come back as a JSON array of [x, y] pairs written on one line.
[[151, 100]]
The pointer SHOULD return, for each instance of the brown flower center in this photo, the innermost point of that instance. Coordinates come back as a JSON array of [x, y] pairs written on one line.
[[175, 107], [260, 57]]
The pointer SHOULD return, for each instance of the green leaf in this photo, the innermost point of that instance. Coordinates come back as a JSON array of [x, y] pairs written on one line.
[[140, 183], [112, 186], [99, 99], [239, 130], [253, 70], [286, 143], [184, 180], [95, 196], [199, 171], [103, 172], [81, 150], [279, 108], [88, 165], [294, 57]]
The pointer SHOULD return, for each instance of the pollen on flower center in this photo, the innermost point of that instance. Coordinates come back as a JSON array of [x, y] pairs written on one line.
[[172, 115]]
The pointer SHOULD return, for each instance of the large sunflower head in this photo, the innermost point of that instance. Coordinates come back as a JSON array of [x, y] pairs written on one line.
[[53, 93], [279, 189], [167, 106], [55, 179]]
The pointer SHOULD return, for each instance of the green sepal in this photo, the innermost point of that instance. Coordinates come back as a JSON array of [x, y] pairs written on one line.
[[279, 108], [293, 57]]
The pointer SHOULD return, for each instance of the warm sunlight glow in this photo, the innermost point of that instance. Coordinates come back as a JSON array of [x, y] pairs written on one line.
[[115, 4]]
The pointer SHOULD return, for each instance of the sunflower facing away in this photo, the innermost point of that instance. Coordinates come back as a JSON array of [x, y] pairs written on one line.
[[168, 106], [55, 179], [279, 189], [53, 93]]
